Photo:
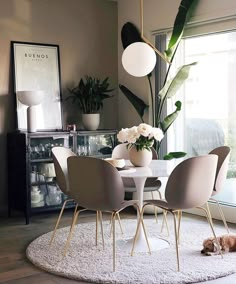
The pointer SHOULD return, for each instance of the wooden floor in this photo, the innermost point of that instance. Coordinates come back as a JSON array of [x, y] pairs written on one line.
[[15, 237]]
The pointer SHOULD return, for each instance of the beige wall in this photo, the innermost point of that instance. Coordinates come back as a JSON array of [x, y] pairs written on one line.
[[85, 30], [158, 15]]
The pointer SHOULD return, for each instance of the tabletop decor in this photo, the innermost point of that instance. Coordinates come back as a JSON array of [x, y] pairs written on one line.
[[140, 140], [130, 35], [89, 95]]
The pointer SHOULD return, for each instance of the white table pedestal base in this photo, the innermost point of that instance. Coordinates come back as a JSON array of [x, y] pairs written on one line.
[[141, 246]]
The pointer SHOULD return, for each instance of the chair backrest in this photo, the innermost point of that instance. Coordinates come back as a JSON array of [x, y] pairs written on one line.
[[60, 155], [191, 182], [95, 184], [121, 152], [223, 154]]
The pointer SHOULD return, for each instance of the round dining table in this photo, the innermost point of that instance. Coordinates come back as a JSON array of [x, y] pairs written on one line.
[[157, 168]]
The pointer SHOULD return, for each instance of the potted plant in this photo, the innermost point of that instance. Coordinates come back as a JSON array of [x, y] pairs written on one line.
[[131, 34], [89, 95]]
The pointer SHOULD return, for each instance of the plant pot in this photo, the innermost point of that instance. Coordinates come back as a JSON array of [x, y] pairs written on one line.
[[91, 120], [140, 158]]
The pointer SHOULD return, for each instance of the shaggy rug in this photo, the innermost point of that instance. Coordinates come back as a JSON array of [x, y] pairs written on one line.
[[87, 262]]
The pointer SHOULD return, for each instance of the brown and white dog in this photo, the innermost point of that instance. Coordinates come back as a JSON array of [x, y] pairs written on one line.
[[227, 244]]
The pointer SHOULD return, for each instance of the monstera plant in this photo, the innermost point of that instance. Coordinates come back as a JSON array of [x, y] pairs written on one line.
[[131, 34]]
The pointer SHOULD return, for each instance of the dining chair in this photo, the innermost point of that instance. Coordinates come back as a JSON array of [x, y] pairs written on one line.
[[59, 156], [223, 154], [152, 184], [189, 186], [99, 187]]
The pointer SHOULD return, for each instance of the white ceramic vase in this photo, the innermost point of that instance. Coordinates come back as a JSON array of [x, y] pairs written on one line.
[[91, 120], [140, 158]]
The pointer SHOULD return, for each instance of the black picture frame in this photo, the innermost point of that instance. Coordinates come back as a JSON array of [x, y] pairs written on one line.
[[36, 66]]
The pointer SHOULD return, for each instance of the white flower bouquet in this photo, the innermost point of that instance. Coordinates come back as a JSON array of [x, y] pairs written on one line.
[[141, 136]]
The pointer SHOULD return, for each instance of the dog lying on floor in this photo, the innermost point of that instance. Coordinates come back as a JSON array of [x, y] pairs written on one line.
[[227, 244]]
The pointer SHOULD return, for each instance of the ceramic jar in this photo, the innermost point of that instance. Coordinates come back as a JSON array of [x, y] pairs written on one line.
[[140, 158], [35, 194]]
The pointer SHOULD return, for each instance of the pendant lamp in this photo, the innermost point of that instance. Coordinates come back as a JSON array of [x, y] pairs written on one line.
[[139, 58]]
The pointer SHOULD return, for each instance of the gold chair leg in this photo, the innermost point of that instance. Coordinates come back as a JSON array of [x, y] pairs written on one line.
[[176, 240], [118, 217], [114, 241], [212, 228], [222, 216], [57, 223], [155, 208], [100, 217], [97, 221], [165, 221], [111, 222], [209, 212], [179, 223], [137, 231], [71, 233]]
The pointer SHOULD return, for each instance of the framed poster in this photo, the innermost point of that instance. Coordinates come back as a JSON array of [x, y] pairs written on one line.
[[37, 68]]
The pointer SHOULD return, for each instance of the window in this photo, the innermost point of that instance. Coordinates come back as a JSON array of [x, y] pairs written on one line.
[[208, 116]]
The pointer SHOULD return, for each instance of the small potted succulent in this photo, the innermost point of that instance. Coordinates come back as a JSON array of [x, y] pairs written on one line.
[[89, 95]]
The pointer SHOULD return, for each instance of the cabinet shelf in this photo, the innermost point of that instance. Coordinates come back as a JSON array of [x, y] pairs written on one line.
[[25, 171]]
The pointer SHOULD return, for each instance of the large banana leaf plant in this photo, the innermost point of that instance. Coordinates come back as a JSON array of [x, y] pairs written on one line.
[[131, 34]]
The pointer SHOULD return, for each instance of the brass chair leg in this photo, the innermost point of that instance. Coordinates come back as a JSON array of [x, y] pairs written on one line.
[[155, 208], [100, 217], [165, 221], [176, 240], [118, 217], [58, 220], [212, 228], [111, 222], [209, 212], [71, 233], [179, 222], [222, 216], [114, 241], [137, 231], [97, 221]]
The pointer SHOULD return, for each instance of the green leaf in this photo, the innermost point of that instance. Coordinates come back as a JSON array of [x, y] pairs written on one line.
[[130, 34], [137, 103], [180, 20], [166, 123], [174, 155], [173, 85]]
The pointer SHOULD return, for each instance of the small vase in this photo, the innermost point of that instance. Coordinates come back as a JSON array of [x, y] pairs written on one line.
[[91, 121], [140, 158]]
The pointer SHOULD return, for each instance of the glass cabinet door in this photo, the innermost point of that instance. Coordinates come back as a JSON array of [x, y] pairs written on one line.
[[44, 191], [97, 144]]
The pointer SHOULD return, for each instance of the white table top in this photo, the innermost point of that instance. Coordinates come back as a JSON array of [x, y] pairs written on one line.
[[157, 168]]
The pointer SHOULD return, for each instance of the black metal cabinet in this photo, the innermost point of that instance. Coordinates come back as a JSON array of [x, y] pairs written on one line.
[[32, 184]]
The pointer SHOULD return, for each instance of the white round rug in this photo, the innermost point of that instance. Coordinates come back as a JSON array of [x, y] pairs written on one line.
[[86, 262]]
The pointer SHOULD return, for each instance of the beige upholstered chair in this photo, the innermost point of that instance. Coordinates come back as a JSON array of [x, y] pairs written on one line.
[[96, 185], [60, 155], [189, 186], [223, 154], [152, 184]]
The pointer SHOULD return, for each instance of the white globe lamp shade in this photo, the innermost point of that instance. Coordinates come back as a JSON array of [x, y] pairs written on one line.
[[139, 59], [31, 99]]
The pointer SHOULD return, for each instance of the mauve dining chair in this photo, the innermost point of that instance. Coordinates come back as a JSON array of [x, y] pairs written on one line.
[[99, 187], [223, 154], [189, 186], [151, 184], [59, 156]]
